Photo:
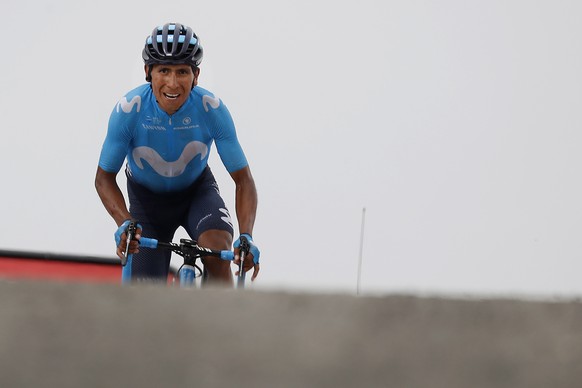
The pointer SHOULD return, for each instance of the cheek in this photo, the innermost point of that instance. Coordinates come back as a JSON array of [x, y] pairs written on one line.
[[156, 90], [187, 85]]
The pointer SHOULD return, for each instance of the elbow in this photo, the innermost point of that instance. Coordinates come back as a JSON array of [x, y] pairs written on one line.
[[102, 179], [98, 179]]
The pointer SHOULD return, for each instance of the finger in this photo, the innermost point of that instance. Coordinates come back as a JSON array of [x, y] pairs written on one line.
[[133, 245], [256, 272], [249, 265]]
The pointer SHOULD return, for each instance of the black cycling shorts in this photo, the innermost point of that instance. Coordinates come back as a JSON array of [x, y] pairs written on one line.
[[197, 209]]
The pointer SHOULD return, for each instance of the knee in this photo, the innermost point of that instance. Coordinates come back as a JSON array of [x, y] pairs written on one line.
[[215, 239]]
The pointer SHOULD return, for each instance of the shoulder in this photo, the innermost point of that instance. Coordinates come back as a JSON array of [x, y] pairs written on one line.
[[132, 101], [209, 101]]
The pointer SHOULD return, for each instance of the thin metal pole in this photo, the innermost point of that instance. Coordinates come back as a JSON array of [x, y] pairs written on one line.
[[361, 252]]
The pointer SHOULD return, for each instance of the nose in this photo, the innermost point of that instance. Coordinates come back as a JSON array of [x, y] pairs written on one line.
[[172, 80]]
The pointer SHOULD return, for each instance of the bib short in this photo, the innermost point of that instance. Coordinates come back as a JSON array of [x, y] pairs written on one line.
[[197, 209]]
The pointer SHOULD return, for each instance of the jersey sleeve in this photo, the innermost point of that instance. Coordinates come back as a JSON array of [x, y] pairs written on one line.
[[225, 138], [116, 144]]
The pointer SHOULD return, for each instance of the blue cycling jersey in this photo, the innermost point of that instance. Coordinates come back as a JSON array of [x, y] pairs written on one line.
[[166, 153]]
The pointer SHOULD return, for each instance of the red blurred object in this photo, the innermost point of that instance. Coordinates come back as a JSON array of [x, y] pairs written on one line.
[[62, 267]]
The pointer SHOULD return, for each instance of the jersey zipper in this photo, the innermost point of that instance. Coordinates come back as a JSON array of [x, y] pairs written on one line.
[[171, 145]]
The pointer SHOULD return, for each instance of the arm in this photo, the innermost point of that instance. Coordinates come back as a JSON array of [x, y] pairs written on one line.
[[111, 195], [113, 200], [246, 210]]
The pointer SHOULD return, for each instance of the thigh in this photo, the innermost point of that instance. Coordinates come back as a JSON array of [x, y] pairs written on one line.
[[159, 219], [152, 264], [207, 210], [209, 223], [161, 213]]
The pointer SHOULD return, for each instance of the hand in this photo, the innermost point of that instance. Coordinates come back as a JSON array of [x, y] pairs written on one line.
[[252, 257], [121, 239]]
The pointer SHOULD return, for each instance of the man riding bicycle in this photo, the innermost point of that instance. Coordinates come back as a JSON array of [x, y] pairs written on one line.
[[165, 130]]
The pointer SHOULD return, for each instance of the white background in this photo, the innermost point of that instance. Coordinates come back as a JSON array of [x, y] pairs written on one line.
[[456, 124]]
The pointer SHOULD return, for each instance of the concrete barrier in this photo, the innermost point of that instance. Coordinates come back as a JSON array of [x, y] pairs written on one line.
[[88, 335]]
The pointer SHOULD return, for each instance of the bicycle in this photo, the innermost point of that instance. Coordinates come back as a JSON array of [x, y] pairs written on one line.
[[190, 251]]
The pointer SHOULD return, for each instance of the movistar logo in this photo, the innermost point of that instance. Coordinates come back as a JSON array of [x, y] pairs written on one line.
[[127, 106], [213, 102], [226, 217], [165, 168]]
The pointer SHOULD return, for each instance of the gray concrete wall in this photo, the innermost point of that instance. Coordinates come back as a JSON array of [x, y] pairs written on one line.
[[79, 335]]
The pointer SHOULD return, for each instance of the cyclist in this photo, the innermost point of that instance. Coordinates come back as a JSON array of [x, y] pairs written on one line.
[[165, 129]]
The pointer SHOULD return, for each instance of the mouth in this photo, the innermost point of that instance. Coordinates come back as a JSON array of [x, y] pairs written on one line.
[[171, 96]]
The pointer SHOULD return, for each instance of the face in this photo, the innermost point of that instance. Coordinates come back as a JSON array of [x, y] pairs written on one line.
[[171, 85]]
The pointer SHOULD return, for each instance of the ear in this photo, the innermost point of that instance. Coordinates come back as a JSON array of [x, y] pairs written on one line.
[[148, 73], [196, 74]]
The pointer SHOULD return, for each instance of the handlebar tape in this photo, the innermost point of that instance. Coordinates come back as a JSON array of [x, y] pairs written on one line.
[[148, 242]]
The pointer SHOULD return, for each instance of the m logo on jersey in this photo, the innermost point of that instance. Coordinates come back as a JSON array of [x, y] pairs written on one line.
[[226, 218], [213, 102], [127, 106], [165, 168]]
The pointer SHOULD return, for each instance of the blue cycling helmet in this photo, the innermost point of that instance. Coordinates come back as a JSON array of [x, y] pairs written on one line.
[[172, 44]]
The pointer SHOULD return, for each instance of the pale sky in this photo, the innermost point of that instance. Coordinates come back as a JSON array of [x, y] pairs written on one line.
[[456, 124]]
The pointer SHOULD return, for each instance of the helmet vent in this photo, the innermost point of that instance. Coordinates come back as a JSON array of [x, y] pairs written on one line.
[[172, 43]]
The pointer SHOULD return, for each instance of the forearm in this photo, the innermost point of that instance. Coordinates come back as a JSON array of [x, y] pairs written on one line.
[[111, 196], [246, 200], [246, 209]]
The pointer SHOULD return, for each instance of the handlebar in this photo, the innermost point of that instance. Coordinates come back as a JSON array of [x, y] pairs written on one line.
[[185, 248]]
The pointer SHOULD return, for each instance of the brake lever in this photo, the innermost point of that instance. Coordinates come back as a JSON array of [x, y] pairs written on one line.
[[244, 250], [131, 231]]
